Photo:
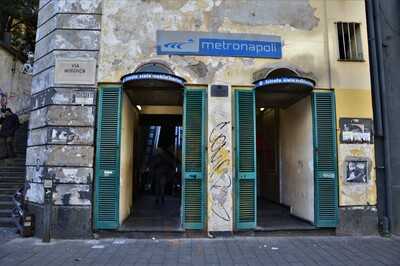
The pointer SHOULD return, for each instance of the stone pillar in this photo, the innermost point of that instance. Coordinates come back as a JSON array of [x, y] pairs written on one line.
[[62, 120], [220, 181]]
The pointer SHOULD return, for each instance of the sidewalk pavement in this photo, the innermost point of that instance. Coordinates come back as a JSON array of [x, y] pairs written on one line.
[[298, 250]]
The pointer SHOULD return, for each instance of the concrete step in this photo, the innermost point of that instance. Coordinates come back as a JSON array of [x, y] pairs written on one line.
[[12, 172], [5, 213], [13, 162], [12, 179], [6, 205], [12, 169], [6, 197], [11, 185], [6, 222], [7, 191]]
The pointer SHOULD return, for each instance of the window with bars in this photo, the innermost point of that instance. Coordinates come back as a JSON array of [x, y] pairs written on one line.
[[349, 39]]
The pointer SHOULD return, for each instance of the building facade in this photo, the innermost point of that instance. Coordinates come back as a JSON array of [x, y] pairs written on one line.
[[15, 83], [266, 104]]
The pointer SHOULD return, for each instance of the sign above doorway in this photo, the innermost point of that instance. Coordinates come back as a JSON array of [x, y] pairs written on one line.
[[148, 76], [218, 44]]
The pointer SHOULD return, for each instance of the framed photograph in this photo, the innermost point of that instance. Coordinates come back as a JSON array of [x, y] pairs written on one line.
[[356, 171], [356, 130]]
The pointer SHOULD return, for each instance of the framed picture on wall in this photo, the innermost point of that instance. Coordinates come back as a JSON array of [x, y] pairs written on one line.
[[356, 171], [356, 130]]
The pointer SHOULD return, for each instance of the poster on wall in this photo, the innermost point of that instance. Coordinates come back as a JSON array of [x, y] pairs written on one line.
[[356, 171], [356, 131]]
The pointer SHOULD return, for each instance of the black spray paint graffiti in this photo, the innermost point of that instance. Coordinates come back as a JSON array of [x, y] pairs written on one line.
[[221, 180]]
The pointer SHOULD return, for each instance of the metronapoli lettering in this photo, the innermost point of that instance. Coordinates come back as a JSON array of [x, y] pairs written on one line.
[[238, 45]]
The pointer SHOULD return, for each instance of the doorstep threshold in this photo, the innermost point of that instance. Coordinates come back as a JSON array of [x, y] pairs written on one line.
[[151, 230]]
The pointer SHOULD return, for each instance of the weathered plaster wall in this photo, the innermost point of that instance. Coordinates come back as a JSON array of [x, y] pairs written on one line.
[[14, 84], [220, 178], [128, 124], [307, 28], [61, 137], [348, 75], [352, 194], [125, 47], [308, 40], [296, 159]]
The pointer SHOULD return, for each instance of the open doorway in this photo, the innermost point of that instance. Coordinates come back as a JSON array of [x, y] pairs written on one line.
[[150, 180], [285, 173], [156, 184], [150, 97]]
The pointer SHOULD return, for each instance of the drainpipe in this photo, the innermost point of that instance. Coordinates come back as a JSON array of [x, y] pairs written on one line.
[[383, 170]]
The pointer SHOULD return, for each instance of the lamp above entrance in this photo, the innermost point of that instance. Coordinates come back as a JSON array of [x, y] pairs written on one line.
[[153, 75], [281, 88], [153, 84]]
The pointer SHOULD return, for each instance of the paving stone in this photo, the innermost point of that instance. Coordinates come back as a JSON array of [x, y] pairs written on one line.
[[230, 251]]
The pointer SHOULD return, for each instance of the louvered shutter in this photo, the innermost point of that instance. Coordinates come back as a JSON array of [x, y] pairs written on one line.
[[193, 159], [325, 162], [108, 158], [245, 160]]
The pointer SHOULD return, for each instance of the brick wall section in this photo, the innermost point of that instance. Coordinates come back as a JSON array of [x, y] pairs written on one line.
[[61, 128]]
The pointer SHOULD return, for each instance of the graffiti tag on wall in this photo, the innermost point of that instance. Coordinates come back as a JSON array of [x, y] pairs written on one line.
[[220, 177]]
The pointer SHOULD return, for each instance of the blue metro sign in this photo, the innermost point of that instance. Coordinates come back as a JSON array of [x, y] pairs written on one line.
[[218, 44]]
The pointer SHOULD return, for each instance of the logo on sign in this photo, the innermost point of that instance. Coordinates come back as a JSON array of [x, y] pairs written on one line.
[[177, 45]]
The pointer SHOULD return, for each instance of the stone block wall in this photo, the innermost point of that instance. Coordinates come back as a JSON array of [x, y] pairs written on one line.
[[62, 120]]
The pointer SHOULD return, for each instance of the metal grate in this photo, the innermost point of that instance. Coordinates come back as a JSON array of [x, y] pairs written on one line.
[[107, 189], [326, 132], [247, 201], [349, 40], [108, 137], [193, 131], [246, 131], [327, 206], [193, 201], [325, 160], [107, 159]]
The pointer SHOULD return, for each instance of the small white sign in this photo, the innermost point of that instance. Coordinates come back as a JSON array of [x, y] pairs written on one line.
[[48, 183], [75, 71]]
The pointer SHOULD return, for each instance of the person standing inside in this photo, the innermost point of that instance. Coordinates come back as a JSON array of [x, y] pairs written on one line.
[[162, 168], [9, 124]]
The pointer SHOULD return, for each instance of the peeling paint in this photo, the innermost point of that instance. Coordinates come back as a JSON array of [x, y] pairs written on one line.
[[66, 194], [121, 43]]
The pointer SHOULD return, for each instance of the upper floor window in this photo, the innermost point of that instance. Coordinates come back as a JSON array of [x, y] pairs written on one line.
[[349, 39]]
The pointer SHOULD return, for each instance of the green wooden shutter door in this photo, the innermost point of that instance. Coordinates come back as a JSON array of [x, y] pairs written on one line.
[[246, 212], [193, 159], [325, 162], [108, 158]]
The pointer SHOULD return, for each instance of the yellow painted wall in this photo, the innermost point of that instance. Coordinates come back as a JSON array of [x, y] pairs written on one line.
[[356, 194], [347, 75], [355, 103], [311, 49], [129, 121]]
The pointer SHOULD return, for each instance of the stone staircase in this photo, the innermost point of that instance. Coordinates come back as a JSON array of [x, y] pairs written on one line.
[[12, 177]]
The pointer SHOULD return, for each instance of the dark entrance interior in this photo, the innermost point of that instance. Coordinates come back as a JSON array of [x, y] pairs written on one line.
[[150, 197], [156, 192], [284, 146]]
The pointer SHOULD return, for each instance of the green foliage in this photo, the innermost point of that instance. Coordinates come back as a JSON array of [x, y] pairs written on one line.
[[18, 21]]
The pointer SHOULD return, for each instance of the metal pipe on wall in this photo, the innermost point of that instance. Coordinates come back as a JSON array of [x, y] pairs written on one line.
[[383, 170]]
